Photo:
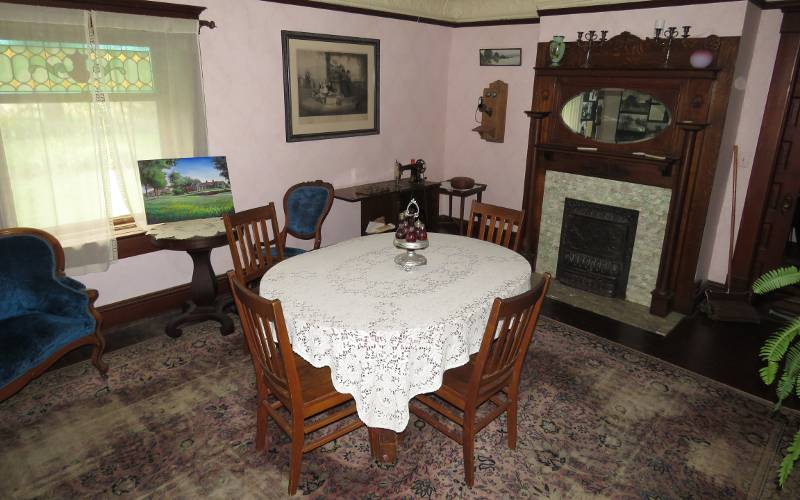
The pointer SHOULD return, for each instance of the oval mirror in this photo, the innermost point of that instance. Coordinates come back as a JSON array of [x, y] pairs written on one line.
[[615, 116]]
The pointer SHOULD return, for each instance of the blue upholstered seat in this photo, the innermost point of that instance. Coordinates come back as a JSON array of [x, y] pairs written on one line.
[[287, 252], [28, 340], [305, 205], [41, 311]]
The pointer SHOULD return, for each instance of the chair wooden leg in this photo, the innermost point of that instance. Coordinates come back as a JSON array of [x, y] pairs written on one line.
[[97, 354], [469, 449], [512, 392], [294, 460], [511, 422], [261, 425]]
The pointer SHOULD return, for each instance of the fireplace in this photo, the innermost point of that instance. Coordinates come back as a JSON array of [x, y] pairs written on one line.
[[596, 247]]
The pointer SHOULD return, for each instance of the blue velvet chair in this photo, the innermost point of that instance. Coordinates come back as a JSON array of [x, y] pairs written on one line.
[[43, 313], [305, 206]]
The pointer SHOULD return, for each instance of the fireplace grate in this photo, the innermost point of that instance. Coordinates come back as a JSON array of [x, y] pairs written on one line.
[[596, 247]]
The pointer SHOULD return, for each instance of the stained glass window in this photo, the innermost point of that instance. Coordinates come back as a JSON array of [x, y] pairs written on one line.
[[58, 68]]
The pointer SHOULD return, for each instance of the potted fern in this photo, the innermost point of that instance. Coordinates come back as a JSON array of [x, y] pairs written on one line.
[[782, 347]]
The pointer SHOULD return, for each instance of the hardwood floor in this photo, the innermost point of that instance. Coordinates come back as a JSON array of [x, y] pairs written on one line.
[[725, 352]]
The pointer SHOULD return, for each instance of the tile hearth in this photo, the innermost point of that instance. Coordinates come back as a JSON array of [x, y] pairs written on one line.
[[620, 310]]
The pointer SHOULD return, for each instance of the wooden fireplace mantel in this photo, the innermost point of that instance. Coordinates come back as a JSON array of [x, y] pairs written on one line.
[[681, 158]]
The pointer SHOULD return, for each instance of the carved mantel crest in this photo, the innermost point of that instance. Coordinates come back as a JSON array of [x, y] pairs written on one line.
[[628, 50]]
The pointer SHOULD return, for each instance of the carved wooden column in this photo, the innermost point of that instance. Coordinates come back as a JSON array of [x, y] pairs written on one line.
[[533, 177], [766, 216], [665, 284]]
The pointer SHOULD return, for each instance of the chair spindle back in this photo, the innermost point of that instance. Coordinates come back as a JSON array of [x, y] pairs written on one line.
[[506, 338], [268, 340], [496, 224], [250, 240]]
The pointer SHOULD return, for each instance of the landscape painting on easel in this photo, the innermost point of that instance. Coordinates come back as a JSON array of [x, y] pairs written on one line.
[[177, 189]]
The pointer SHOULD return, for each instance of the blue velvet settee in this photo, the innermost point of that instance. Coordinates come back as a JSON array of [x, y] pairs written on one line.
[[43, 313]]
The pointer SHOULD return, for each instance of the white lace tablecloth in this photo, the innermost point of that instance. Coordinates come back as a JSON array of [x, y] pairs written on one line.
[[389, 334]]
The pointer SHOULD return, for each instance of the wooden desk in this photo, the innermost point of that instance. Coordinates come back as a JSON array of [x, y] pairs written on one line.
[[203, 305], [450, 191], [387, 199]]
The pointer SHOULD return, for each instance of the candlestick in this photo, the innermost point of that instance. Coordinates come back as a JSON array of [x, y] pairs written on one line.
[[590, 39]]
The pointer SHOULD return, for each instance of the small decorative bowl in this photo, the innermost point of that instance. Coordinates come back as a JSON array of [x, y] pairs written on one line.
[[701, 58], [462, 182], [417, 245]]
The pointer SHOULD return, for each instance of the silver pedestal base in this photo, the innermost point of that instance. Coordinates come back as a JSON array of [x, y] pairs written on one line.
[[410, 260]]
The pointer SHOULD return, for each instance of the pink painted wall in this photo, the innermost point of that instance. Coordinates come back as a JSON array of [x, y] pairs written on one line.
[[430, 81], [243, 85], [500, 165], [760, 41]]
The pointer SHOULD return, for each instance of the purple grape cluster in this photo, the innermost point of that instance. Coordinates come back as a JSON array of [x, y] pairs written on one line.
[[411, 230]]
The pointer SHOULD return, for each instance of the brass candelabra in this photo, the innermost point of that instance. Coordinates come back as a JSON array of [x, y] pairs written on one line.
[[589, 40], [669, 34]]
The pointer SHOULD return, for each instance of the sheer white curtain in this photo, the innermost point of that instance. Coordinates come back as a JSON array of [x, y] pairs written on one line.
[[83, 96]]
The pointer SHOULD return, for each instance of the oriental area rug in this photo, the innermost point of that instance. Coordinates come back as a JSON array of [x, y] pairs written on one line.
[[175, 419]]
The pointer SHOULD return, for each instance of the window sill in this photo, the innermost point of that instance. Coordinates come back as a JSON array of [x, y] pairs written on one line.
[[131, 245], [131, 239]]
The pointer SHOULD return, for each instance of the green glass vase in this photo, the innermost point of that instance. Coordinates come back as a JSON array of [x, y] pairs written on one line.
[[557, 49]]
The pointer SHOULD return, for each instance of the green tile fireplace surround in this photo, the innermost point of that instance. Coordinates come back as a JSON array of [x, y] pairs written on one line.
[[651, 202]]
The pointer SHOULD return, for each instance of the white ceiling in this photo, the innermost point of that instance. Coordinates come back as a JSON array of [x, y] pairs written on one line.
[[461, 11]]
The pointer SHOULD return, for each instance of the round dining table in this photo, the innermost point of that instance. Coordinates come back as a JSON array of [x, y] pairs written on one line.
[[389, 334]]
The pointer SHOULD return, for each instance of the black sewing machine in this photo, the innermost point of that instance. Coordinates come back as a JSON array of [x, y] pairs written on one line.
[[417, 170]]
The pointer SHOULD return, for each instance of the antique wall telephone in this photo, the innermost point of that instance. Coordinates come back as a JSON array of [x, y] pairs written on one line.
[[482, 108], [492, 108]]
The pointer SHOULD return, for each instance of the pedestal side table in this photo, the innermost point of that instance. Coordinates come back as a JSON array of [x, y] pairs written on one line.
[[447, 188], [204, 304]]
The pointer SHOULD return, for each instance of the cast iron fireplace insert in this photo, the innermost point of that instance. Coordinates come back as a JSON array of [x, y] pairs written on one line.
[[596, 247]]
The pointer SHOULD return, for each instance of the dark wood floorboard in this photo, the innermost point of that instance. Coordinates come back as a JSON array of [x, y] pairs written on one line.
[[725, 352]]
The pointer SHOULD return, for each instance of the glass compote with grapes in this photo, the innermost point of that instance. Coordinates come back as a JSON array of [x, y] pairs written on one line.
[[410, 236]]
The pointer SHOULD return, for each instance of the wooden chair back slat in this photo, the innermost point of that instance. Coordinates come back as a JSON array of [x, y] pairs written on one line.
[[506, 338], [265, 330], [494, 376], [498, 225], [250, 240]]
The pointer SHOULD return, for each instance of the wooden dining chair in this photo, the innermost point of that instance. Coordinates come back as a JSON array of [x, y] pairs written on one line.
[[496, 224], [250, 241], [491, 376], [295, 386]]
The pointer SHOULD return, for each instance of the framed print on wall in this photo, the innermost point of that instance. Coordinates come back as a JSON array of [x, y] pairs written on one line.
[[331, 86], [500, 57]]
